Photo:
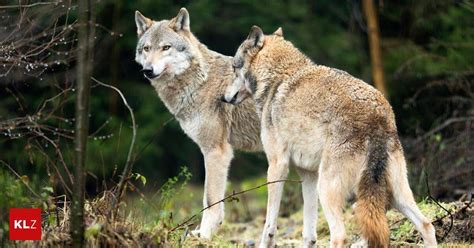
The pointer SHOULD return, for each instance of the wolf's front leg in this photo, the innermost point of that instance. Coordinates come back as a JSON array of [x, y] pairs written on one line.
[[217, 161], [277, 170]]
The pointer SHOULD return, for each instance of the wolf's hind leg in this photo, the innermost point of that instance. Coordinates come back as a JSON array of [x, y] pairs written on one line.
[[336, 175], [310, 207], [332, 203], [404, 201], [217, 163]]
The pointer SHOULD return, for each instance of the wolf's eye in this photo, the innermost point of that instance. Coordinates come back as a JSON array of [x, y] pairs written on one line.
[[146, 48], [166, 47]]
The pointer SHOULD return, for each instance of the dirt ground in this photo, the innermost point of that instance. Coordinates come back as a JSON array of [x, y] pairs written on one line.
[[146, 231], [403, 233]]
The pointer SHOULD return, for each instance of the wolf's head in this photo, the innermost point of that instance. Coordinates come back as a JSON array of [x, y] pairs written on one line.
[[164, 48], [244, 83]]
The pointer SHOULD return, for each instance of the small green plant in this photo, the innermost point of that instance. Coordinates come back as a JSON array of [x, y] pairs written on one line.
[[172, 187], [14, 192], [140, 177], [167, 193]]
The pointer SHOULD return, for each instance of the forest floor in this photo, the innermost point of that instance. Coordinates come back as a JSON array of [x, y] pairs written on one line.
[[245, 219], [148, 221], [402, 232]]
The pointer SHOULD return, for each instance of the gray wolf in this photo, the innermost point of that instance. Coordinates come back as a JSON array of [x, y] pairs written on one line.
[[190, 79], [338, 132]]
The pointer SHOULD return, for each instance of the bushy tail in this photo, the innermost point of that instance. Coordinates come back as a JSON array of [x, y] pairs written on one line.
[[373, 196]]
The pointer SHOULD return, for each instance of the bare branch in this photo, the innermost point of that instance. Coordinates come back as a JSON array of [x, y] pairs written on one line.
[[128, 165], [27, 5], [231, 196], [445, 124]]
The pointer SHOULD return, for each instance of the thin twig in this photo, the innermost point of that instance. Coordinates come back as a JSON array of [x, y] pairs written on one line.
[[445, 124], [231, 196], [26, 5], [128, 165], [466, 206], [60, 155], [437, 203], [19, 177], [157, 132], [100, 128], [63, 182]]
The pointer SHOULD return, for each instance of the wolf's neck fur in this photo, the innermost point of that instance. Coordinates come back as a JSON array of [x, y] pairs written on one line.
[[177, 92], [279, 62]]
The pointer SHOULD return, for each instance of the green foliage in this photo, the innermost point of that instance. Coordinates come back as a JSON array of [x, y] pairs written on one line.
[[423, 42], [430, 61], [427, 53], [175, 185], [15, 194], [450, 39], [92, 231], [141, 177], [161, 209]]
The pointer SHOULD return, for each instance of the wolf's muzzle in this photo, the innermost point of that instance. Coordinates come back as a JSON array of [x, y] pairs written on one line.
[[231, 101], [148, 73]]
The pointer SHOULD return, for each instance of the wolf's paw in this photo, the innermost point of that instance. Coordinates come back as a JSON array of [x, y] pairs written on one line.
[[361, 243], [268, 239], [195, 233], [209, 224], [308, 242], [200, 233]]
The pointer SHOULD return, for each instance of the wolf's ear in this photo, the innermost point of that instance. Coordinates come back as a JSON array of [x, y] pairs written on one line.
[[278, 32], [256, 36], [142, 22], [181, 21]]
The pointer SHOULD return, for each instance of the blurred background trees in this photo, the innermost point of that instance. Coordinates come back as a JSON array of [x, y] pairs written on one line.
[[427, 49]]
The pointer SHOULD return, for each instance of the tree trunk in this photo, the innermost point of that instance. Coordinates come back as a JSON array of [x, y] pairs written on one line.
[[115, 58], [374, 44], [83, 77]]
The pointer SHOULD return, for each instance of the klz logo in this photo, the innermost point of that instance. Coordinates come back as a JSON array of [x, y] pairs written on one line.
[[25, 224]]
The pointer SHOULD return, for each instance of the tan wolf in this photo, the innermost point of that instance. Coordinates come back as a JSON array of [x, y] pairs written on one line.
[[190, 79], [338, 131]]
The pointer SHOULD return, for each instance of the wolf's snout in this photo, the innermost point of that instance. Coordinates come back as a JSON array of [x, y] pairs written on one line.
[[148, 73], [227, 99]]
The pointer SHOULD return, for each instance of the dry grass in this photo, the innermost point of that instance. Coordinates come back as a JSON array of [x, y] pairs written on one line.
[[141, 225]]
